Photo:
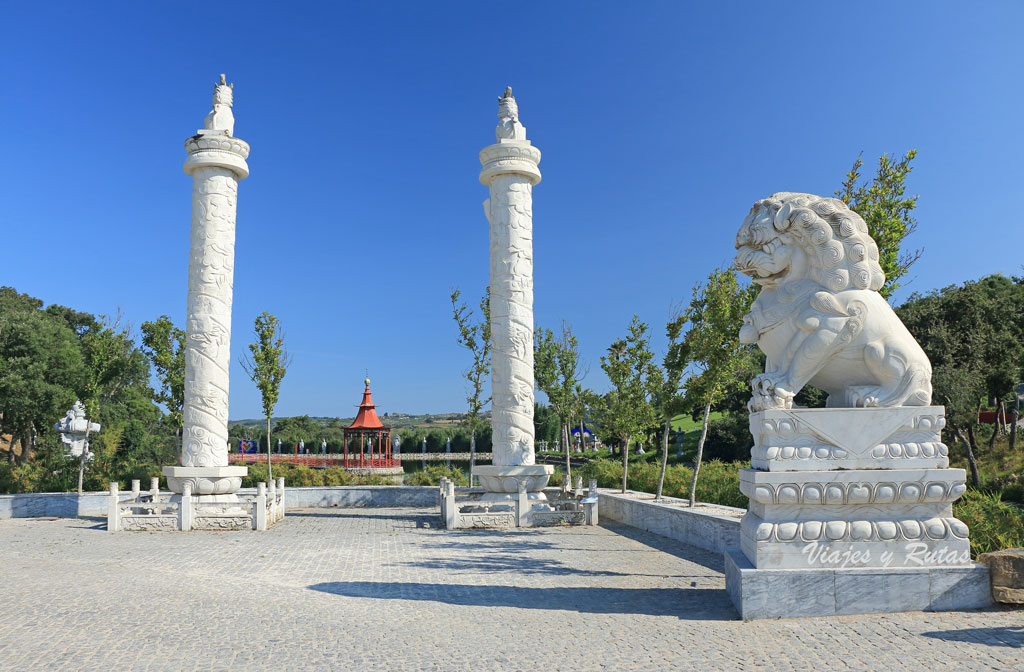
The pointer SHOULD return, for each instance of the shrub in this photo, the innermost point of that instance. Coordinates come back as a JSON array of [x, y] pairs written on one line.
[[728, 438], [718, 482], [303, 476], [432, 474], [994, 524]]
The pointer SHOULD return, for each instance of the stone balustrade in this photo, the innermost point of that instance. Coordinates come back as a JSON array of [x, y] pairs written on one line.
[[156, 510]]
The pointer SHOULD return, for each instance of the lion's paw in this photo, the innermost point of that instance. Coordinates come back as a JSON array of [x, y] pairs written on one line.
[[864, 396], [769, 392]]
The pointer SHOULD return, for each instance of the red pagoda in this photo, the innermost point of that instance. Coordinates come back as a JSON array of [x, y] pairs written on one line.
[[372, 446]]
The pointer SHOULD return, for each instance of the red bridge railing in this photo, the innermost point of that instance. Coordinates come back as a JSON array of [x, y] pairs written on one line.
[[353, 461]]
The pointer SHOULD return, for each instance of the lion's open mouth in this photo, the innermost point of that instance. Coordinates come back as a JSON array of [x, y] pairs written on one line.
[[770, 278]]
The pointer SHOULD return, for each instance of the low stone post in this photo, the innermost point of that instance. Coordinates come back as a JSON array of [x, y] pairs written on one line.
[[281, 494], [259, 514], [154, 489], [450, 511], [590, 503], [522, 506], [136, 489], [185, 508], [579, 486], [442, 493], [272, 496], [113, 509]]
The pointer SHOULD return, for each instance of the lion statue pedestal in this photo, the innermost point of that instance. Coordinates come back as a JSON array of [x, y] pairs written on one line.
[[850, 505]]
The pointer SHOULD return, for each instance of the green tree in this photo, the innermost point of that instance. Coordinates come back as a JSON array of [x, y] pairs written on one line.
[[668, 396], [475, 337], [546, 423], [973, 335], [626, 409], [557, 371], [41, 369], [111, 363], [164, 345], [712, 344], [887, 211], [266, 364]]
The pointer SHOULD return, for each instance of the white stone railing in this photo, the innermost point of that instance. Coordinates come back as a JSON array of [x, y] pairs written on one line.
[[564, 506], [156, 510]]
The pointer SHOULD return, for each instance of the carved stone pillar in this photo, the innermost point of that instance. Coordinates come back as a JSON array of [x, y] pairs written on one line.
[[510, 170], [216, 163]]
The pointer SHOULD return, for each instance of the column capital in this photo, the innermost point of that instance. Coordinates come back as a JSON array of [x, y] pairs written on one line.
[[510, 157], [217, 149]]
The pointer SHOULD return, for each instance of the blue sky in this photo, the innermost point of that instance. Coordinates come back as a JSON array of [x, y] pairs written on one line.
[[659, 123]]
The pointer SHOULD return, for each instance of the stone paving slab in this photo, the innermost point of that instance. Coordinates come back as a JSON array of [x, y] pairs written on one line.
[[385, 589]]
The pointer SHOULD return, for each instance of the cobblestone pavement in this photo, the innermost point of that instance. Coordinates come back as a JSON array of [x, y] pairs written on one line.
[[375, 589]]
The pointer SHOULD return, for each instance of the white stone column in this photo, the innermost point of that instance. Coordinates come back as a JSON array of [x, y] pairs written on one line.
[[216, 163], [510, 171]]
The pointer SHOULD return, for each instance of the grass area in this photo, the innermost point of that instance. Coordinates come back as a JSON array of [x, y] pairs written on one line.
[[688, 424]]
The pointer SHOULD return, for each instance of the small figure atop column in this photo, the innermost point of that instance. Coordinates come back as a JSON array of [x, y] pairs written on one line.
[[509, 127], [221, 119]]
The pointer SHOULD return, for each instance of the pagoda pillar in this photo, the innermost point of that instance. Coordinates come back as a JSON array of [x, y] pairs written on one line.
[[216, 163], [510, 170]]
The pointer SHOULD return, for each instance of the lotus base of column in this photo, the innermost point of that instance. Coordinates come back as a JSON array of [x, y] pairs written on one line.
[[205, 480], [501, 483]]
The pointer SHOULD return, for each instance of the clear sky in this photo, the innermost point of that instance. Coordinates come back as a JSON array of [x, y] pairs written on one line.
[[660, 124]]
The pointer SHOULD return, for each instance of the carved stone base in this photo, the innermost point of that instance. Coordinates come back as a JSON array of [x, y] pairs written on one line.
[[851, 512], [205, 480], [501, 483], [216, 505], [858, 518], [792, 593], [823, 439]]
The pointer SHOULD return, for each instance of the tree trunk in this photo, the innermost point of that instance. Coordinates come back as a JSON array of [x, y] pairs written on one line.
[[970, 456], [1013, 428], [995, 428], [472, 455], [625, 461], [700, 454], [270, 476], [177, 441], [26, 445], [972, 443], [568, 449], [664, 458]]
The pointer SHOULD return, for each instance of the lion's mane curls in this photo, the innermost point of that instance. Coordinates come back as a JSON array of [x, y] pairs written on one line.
[[835, 236]]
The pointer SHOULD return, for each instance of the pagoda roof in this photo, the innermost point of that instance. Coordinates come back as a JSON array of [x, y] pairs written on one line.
[[367, 418]]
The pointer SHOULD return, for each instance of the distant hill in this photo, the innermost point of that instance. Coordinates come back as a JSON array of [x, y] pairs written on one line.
[[397, 420]]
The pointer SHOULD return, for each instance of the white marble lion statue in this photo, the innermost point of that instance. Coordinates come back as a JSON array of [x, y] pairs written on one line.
[[819, 318]]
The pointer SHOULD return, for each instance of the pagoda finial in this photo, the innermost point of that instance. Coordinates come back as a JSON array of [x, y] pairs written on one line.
[[367, 381]]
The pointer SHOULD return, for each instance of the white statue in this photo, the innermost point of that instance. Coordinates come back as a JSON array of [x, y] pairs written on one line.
[[74, 430], [509, 127], [819, 317], [220, 117]]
